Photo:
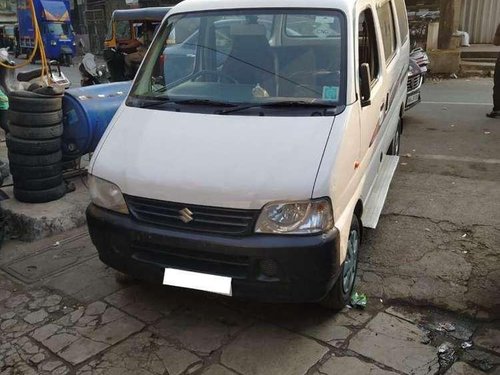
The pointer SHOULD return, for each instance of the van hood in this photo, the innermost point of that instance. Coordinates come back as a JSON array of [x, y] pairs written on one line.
[[212, 160]]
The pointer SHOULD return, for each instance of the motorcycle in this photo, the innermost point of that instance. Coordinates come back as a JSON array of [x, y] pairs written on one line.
[[91, 74]]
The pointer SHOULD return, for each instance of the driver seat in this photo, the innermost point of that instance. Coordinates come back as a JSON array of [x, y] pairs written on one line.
[[251, 60]]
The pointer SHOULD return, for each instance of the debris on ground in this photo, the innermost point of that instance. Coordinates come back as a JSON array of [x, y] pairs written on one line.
[[358, 300], [447, 326], [466, 345], [447, 355]]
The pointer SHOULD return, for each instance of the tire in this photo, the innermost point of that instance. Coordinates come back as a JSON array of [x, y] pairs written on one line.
[[35, 119], [35, 160], [33, 147], [38, 183], [23, 171], [395, 147], [339, 296], [40, 196], [34, 104], [47, 132]]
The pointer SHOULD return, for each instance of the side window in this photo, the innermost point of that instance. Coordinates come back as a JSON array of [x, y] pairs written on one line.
[[402, 19], [386, 19], [368, 50]]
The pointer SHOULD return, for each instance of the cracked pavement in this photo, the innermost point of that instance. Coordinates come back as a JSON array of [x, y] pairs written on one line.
[[431, 272]]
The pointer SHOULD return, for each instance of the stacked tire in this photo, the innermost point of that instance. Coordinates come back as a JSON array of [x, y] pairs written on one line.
[[34, 143]]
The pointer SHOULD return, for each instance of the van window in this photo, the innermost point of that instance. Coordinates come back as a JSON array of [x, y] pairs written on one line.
[[368, 46], [386, 19], [402, 19], [247, 57]]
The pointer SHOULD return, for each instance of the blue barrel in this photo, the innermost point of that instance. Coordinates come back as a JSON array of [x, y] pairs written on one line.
[[87, 113]]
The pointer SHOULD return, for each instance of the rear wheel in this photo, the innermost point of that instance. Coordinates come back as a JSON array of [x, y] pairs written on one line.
[[339, 296]]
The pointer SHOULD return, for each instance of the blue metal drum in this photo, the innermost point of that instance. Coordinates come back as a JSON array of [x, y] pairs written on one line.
[[87, 113]]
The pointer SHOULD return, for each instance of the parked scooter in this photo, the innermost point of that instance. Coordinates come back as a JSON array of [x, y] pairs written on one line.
[[91, 74]]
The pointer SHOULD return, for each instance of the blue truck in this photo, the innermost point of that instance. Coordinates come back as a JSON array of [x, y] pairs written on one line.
[[55, 27]]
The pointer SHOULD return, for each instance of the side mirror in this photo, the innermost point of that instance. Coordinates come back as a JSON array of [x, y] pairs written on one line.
[[365, 82]]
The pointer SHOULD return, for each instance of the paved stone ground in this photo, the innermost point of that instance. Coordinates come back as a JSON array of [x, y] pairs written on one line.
[[438, 241], [63, 312]]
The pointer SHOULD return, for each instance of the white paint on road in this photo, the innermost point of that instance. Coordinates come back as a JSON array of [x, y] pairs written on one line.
[[457, 103], [463, 159]]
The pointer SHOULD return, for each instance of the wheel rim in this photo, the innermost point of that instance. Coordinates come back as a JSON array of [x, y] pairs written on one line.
[[351, 262]]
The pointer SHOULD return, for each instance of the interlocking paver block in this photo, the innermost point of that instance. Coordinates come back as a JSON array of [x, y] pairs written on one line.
[[144, 353], [351, 366], [21, 312], [201, 330], [22, 356], [265, 349], [84, 333], [396, 343]]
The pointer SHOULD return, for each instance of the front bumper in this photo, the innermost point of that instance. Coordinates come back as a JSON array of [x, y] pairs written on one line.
[[413, 96], [305, 267]]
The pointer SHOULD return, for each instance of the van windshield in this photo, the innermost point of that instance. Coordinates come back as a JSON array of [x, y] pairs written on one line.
[[246, 57]]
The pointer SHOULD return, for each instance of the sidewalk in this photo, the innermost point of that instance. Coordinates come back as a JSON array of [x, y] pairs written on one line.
[[63, 312]]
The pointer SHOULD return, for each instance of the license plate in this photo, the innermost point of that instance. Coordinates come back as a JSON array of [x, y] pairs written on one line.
[[198, 281], [412, 99]]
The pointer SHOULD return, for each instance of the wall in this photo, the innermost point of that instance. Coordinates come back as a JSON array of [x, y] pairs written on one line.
[[480, 19]]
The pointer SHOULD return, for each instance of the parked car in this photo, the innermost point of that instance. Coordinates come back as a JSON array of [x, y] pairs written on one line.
[[254, 175], [416, 77]]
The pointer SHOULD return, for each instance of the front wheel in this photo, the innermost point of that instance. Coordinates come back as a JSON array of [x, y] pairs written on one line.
[[339, 296]]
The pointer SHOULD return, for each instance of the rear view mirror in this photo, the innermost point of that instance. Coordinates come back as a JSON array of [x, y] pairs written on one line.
[[365, 84]]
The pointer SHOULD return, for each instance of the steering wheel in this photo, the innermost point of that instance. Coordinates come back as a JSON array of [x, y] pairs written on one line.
[[216, 73]]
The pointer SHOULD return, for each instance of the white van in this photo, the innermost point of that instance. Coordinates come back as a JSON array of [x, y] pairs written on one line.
[[258, 138]]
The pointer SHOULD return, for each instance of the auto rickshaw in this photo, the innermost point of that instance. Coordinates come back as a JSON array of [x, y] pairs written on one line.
[[7, 37], [129, 35]]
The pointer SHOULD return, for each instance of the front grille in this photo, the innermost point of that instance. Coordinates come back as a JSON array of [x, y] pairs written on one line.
[[198, 261], [414, 82], [203, 219]]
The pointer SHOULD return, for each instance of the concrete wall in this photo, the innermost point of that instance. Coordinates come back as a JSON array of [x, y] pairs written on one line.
[[480, 19]]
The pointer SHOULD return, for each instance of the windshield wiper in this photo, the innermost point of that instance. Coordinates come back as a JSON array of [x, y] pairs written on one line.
[[157, 102], [284, 103], [204, 102], [151, 103]]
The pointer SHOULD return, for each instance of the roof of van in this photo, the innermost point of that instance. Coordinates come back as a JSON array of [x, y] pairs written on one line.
[[201, 5], [142, 14]]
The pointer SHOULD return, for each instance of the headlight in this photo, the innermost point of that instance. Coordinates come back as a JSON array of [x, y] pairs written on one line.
[[303, 217], [53, 43], [107, 195]]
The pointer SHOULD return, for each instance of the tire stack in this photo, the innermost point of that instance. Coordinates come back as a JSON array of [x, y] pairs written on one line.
[[34, 143]]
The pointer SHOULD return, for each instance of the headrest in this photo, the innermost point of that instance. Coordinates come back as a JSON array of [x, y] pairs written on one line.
[[248, 30]]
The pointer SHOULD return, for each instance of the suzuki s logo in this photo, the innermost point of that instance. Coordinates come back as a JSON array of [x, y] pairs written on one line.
[[186, 215]]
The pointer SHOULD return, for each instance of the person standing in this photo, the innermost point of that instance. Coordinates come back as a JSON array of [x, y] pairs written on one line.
[[496, 89]]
